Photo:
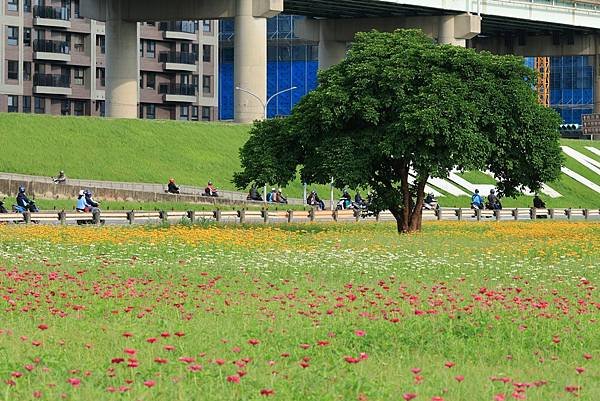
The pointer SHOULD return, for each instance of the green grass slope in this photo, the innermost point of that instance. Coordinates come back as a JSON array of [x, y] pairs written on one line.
[[153, 151]]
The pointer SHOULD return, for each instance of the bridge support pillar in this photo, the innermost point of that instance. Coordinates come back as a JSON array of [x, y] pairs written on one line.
[[250, 63], [456, 29], [331, 52], [122, 64]]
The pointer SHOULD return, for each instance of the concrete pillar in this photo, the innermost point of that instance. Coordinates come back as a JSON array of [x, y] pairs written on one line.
[[250, 63], [121, 64], [331, 52], [456, 29]]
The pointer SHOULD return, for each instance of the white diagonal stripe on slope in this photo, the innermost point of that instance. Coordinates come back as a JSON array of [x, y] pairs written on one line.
[[583, 159], [581, 179]]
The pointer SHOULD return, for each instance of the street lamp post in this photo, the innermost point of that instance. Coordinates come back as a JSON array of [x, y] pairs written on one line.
[[265, 104]]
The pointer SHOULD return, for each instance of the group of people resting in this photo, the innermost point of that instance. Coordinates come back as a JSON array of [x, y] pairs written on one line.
[[209, 190], [493, 202], [275, 196]]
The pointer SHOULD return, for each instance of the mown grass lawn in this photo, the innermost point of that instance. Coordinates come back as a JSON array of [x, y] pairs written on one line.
[[304, 312]]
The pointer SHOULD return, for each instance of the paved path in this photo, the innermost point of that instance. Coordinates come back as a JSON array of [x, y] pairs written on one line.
[[134, 186]]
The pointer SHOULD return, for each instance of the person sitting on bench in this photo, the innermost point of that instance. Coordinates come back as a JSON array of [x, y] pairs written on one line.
[[538, 203], [172, 188], [254, 195], [476, 200], [61, 178], [210, 190]]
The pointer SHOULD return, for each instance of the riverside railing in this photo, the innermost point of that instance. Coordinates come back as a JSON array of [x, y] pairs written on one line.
[[243, 216]]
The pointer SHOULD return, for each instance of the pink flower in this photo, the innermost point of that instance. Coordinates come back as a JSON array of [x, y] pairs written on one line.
[[43, 326], [149, 383], [151, 340], [409, 396], [499, 397], [253, 341], [437, 398], [459, 378], [360, 333], [73, 381], [130, 351], [579, 370], [233, 379], [587, 356], [416, 371], [449, 364], [267, 392]]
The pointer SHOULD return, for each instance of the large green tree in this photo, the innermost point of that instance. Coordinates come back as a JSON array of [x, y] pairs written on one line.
[[402, 106]]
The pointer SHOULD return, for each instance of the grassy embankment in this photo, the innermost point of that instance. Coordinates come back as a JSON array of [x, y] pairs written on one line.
[[153, 151]]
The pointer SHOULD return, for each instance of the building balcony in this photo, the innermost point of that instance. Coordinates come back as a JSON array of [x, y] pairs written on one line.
[[52, 84], [55, 17], [178, 93], [51, 50], [178, 61], [179, 30]]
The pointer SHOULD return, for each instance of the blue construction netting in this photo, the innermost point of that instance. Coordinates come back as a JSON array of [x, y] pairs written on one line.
[[571, 86], [290, 62]]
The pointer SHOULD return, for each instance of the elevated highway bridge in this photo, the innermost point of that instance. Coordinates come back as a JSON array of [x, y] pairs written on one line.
[[522, 27]]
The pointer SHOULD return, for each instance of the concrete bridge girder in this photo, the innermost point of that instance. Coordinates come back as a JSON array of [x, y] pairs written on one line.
[[333, 35]]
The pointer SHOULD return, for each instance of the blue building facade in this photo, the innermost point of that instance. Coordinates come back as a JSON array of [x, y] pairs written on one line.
[[290, 62]]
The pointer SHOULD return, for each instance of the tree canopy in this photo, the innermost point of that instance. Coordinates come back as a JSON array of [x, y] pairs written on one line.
[[401, 105]]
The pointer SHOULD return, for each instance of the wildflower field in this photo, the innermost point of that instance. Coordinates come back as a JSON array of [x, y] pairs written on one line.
[[490, 311]]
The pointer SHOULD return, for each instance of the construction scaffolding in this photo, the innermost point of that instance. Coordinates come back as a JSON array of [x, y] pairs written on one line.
[[542, 66]]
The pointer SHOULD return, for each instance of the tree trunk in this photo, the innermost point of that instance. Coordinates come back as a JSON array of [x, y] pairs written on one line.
[[410, 215]]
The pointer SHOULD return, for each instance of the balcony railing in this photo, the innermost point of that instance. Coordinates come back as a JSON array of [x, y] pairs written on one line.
[[53, 80], [51, 46], [177, 57], [178, 26], [177, 89], [61, 13]]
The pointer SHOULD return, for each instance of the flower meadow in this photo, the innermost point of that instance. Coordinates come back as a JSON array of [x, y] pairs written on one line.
[[463, 311]]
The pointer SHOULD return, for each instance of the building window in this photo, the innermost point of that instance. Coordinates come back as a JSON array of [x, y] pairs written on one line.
[[76, 9], [78, 75], [13, 104], [185, 47], [78, 43], [27, 6], [151, 80], [194, 113], [27, 70], [206, 53], [27, 36], [39, 105], [151, 111], [79, 108], [13, 5], [101, 75], [206, 81], [12, 35], [184, 113], [101, 43], [26, 104], [150, 48], [206, 25], [205, 113], [13, 70]]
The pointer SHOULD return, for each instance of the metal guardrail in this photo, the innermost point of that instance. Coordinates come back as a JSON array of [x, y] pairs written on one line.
[[51, 46], [53, 80], [177, 57], [243, 216]]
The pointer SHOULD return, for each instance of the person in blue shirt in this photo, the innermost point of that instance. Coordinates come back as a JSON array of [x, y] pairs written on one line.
[[81, 201], [476, 200]]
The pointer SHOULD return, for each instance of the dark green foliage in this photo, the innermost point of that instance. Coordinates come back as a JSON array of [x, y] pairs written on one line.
[[402, 104]]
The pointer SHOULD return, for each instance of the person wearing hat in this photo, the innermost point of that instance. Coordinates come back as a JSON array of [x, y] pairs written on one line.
[[272, 196], [493, 201], [280, 197], [172, 188], [80, 201], [210, 189], [61, 178], [24, 202]]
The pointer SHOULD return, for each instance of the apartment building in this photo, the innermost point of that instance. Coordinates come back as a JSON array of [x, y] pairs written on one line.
[[52, 62]]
